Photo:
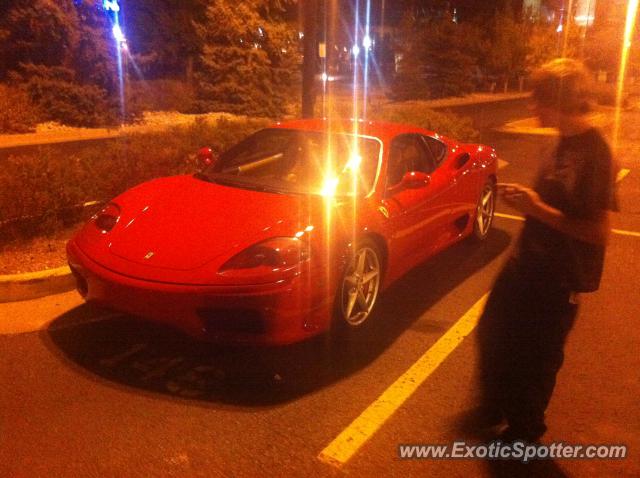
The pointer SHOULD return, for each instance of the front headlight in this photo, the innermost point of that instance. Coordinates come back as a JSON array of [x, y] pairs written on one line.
[[277, 253], [107, 218]]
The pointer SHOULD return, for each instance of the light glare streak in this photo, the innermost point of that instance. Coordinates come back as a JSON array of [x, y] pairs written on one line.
[[366, 43], [632, 9], [565, 45]]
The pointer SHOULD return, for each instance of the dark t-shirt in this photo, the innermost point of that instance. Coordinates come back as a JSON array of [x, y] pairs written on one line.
[[579, 182]]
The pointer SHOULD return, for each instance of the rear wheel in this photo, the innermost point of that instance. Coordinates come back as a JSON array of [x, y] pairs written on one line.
[[484, 211], [358, 291]]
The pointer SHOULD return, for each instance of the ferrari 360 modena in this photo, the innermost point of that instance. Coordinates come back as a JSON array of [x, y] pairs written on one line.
[[294, 231]]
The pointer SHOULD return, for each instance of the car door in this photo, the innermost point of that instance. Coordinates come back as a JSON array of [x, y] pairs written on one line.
[[458, 167], [444, 182], [410, 210]]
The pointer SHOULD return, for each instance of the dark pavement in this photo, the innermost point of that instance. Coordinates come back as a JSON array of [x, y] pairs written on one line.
[[94, 394]]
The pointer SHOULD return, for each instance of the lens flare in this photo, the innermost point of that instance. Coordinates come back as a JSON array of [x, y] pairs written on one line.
[[117, 34], [366, 43], [329, 186], [353, 165], [632, 10], [567, 28]]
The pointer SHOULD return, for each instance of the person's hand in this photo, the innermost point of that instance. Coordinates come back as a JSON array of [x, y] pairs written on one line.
[[519, 197]]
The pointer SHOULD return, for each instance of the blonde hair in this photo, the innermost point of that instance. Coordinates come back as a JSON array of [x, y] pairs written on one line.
[[563, 84]]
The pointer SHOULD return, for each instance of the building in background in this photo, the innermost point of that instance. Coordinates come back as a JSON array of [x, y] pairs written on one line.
[[585, 12], [531, 9]]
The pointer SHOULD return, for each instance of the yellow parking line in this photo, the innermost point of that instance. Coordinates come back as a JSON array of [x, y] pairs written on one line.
[[347, 443], [622, 232], [509, 216], [622, 174], [626, 233]]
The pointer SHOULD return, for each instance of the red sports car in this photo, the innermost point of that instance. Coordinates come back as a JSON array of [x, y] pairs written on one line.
[[293, 231]]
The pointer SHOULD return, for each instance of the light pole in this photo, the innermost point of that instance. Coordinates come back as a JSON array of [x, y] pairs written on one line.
[[309, 9]]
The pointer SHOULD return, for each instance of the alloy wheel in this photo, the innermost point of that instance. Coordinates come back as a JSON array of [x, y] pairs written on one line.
[[485, 209], [360, 286]]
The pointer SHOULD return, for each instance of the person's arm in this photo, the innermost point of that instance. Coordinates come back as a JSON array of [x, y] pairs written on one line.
[[594, 230]]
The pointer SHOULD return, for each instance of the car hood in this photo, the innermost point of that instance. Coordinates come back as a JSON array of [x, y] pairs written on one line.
[[182, 223]]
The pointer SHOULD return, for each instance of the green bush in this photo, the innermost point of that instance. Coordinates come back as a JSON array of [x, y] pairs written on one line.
[[17, 112], [61, 98], [69, 103], [163, 95], [49, 186], [418, 114]]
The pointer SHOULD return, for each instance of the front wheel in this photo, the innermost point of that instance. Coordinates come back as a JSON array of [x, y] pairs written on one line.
[[484, 211], [358, 290]]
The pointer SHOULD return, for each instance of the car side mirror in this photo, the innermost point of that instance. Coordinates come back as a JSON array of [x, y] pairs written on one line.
[[206, 157], [415, 180]]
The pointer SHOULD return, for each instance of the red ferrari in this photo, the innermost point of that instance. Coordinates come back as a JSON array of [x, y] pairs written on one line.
[[294, 231]]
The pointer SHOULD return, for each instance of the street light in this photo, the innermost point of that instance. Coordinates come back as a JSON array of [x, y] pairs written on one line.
[[366, 42], [118, 34]]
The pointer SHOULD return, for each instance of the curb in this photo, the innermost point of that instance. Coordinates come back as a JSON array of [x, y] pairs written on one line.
[[18, 287], [529, 126], [478, 100]]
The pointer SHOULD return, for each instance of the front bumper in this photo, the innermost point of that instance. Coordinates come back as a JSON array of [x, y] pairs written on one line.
[[268, 314]]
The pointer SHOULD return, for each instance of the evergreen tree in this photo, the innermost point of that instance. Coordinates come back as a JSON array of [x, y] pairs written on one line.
[[438, 59], [94, 50], [162, 35], [507, 49], [62, 54], [247, 62], [40, 32]]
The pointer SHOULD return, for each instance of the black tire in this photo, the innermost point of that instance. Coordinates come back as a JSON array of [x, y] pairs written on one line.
[[484, 212]]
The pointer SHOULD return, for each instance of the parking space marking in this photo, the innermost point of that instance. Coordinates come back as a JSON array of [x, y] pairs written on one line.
[[622, 174], [347, 443], [621, 232], [508, 216], [626, 233]]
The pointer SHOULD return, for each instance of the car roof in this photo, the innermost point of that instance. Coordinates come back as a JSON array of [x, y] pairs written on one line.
[[379, 129]]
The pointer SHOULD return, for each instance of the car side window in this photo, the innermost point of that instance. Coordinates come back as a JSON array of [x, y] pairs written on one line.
[[408, 153], [437, 149]]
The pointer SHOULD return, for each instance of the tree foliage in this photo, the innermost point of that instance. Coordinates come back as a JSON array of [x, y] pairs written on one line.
[[17, 112], [61, 98], [603, 49], [506, 48], [438, 59], [39, 32], [61, 54], [162, 35], [247, 61]]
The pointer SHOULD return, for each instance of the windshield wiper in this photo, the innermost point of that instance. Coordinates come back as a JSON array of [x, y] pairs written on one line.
[[244, 185], [202, 177]]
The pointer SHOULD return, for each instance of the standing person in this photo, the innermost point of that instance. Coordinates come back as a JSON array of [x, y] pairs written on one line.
[[560, 253]]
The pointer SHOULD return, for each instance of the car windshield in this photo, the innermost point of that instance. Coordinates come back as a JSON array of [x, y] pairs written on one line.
[[294, 161]]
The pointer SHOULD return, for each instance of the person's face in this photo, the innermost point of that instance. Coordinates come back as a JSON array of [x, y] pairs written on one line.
[[547, 116]]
